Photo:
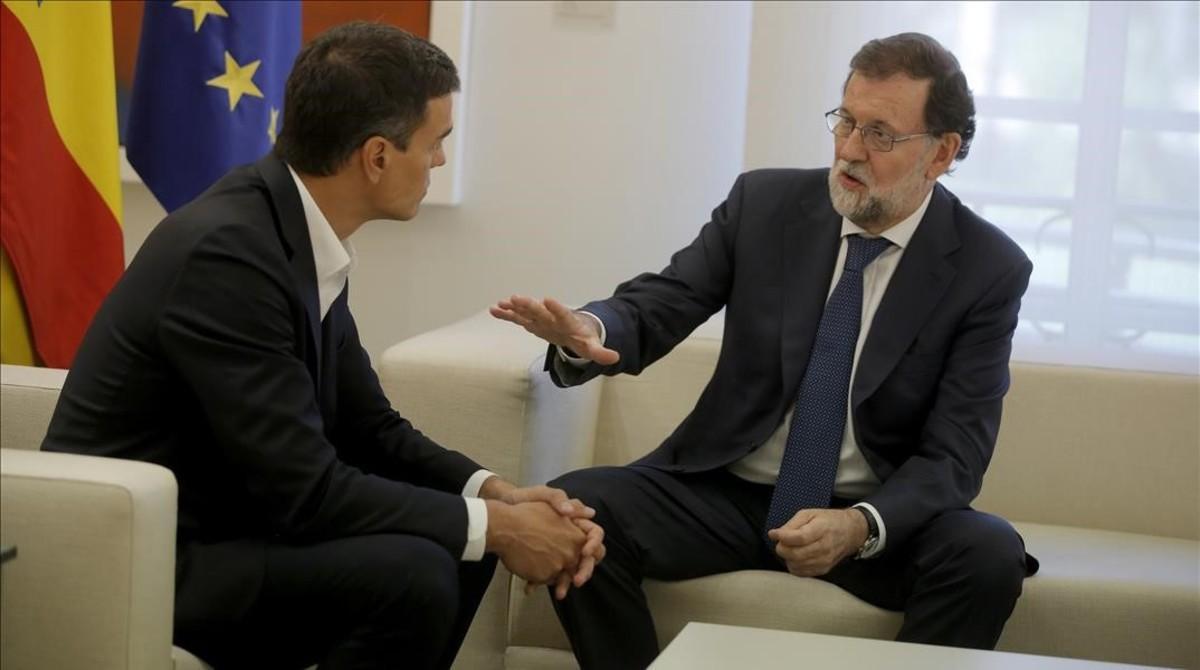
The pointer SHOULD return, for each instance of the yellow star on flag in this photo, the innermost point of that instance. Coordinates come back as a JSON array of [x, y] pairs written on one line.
[[273, 127], [238, 80], [201, 9]]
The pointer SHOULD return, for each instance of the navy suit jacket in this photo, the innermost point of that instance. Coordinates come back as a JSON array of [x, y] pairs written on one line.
[[209, 357], [927, 393]]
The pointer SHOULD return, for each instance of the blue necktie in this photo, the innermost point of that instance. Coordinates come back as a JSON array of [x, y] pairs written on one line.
[[814, 440]]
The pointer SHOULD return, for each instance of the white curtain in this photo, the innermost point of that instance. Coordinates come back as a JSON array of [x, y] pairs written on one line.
[[1087, 153]]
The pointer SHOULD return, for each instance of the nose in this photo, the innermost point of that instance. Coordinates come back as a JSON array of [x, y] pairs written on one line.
[[439, 158], [851, 148]]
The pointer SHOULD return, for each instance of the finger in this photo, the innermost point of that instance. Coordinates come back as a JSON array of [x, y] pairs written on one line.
[[529, 587], [556, 498], [577, 510], [584, 573], [595, 538], [810, 556], [504, 314], [532, 309], [602, 355], [801, 518], [559, 311], [562, 585], [797, 537]]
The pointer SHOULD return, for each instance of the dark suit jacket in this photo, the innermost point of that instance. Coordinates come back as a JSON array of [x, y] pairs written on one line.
[[209, 357], [927, 394]]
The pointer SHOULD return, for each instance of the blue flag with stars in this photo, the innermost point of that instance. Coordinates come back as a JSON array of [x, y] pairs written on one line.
[[208, 90]]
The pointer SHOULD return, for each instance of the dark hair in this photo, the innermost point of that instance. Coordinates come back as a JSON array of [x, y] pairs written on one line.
[[950, 107], [355, 81]]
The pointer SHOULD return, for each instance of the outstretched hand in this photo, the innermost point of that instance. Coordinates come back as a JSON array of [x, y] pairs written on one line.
[[557, 324]]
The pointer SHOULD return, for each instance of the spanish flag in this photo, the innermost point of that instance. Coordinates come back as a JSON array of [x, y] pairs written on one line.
[[60, 197]]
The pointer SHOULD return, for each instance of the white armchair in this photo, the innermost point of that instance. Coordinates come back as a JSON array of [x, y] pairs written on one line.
[[93, 582]]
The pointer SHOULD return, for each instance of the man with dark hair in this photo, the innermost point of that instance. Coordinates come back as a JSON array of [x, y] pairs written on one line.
[[315, 524], [857, 395]]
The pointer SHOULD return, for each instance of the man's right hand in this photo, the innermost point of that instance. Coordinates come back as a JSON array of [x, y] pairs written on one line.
[[533, 540], [557, 324]]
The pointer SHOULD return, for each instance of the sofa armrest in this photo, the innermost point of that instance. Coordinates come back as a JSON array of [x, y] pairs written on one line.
[[477, 386], [93, 582]]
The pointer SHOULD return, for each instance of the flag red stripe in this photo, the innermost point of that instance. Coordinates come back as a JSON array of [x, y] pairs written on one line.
[[62, 239]]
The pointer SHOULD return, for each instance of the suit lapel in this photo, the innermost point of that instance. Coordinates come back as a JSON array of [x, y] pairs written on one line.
[[293, 229], [810, 248], [917, 286]]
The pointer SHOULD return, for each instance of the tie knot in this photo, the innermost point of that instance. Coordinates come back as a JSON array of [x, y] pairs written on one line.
[[863, 250]]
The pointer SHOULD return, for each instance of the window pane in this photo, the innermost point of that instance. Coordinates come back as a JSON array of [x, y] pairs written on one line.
[[1155, 257], [1160, 168], [1026, 158], [1044, 236], [1161, 56], [994, 48]]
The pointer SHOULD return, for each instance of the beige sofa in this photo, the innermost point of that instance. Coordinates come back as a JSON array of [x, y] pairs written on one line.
[[1098, 470]]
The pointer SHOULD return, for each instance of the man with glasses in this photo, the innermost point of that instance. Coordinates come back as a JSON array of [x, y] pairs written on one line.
[[856, 400]]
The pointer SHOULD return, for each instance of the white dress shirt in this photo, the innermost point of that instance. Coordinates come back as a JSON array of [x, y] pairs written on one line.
[[855, 479], [333, 260]]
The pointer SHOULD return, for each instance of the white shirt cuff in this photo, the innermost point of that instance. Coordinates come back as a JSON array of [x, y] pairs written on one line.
[[576, 360], [471, 489], [882, 530], [477, 516]]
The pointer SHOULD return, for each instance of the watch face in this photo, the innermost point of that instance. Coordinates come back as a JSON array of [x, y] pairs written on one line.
[[867, 546]]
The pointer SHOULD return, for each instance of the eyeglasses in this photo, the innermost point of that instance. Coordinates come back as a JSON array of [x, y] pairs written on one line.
[[874, 138]]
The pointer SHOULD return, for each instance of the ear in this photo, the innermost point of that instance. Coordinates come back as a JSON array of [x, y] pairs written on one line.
[[373, 157], [943, 155]]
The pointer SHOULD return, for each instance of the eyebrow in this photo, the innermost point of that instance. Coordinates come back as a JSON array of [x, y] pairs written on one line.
[[880, 124]]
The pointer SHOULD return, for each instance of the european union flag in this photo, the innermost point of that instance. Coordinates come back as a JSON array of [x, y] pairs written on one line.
[[208, 90]]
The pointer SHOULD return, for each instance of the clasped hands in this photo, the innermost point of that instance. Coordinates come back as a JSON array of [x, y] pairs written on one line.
[[542, 535]]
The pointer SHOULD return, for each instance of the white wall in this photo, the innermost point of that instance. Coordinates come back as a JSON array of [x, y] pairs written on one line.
[[593, 153], [789, 87]]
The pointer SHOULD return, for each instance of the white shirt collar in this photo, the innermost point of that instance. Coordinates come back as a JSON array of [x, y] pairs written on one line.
[[332, 258], [899, 234]]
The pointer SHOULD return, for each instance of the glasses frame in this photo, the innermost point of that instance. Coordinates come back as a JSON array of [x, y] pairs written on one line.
[[834, 117]]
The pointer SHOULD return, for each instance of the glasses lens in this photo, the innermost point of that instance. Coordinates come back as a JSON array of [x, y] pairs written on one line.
[[877, 139], [838, 124]]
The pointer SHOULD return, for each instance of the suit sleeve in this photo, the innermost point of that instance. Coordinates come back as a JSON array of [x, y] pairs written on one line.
[[228, 329], [959, 435], [373, 436], [651, 313]]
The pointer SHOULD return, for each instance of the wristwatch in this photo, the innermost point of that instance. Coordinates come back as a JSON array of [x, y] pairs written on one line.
[[872, 533]]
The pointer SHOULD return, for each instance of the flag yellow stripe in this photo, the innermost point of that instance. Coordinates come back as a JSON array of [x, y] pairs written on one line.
[[16, 347], [73, 41]]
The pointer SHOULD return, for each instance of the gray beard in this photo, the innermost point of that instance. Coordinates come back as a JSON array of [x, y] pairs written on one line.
[[864, 210]]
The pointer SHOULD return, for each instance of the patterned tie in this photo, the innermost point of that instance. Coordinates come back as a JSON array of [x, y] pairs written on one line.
[[814, 439]]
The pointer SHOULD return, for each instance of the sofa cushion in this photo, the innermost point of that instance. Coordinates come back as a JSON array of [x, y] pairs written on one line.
[[27, 399], [1111, 596], [1109, 449]]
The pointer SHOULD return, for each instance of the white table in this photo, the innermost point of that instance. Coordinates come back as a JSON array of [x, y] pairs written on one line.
[[706, 646]]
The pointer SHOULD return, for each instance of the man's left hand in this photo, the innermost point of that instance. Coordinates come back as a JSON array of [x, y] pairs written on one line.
[[593, 549], [815, 540]]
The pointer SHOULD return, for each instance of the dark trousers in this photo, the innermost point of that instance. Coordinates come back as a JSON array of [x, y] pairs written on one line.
[[956, 581], [374, 601]]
